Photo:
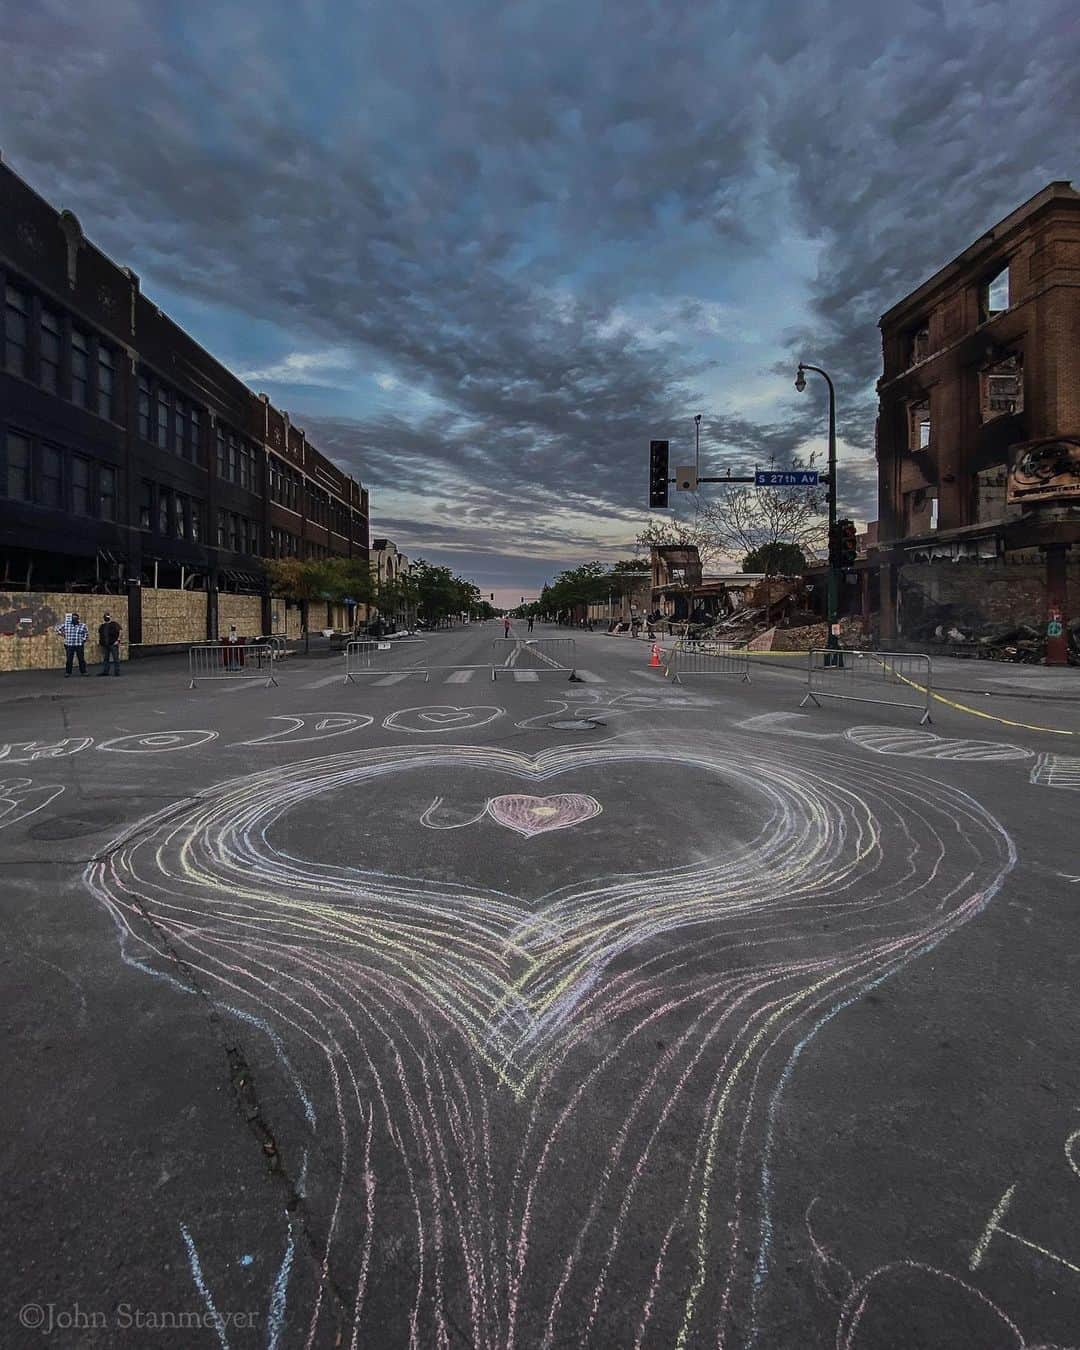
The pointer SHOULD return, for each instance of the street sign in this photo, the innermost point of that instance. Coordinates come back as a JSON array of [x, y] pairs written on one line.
[[686, 478], [786, 478]]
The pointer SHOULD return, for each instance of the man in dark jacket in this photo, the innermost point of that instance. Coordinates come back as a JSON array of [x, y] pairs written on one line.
[[109, 641]]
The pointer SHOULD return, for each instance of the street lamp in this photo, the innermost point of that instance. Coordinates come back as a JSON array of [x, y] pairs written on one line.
[[834, 579], [697, 444]]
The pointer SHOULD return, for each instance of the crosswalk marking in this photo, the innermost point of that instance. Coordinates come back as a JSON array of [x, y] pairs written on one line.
[[326, 679], [396, 678], [459, 677], [526, 676], [587, 677]]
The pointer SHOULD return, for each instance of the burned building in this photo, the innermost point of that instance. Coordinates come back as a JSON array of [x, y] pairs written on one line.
[[979, 431]]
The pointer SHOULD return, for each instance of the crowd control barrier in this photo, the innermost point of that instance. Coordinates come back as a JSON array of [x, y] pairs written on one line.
[[708, 658], [537, 654], [898, 679], [232, 661]]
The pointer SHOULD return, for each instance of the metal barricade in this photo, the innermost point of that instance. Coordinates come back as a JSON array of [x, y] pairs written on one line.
[[708, 658], [898, 679], [231, 661], [360, 656], [540, 655]]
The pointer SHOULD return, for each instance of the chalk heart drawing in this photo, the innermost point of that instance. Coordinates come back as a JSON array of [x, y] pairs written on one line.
[[539, 815], [559, 1116], [440, 717]]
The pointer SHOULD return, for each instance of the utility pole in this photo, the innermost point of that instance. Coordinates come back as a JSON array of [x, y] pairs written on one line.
[[833, 600]]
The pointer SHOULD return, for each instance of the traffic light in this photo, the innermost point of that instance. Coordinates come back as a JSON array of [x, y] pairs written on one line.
[[658, 474], [843, 547], [848, 544]]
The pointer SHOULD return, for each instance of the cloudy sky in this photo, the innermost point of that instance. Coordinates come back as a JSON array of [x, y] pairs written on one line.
[[483, 251]]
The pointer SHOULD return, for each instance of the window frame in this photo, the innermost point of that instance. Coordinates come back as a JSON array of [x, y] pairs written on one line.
[[24, 313], [25, 468], [47, 363], [77, 461], [106, 389], [80, 352]]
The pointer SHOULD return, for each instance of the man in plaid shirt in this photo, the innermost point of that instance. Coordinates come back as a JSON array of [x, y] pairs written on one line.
[[74, 634]]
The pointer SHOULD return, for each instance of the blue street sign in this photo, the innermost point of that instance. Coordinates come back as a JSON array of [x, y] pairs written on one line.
[[785, 477]]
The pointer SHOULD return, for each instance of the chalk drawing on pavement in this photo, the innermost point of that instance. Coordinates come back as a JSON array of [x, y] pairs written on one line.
[[26, 752], [914, 743], [459, 1043], [157, 742], [438, 719], [525, 815], [19, 799], [1057, 771], [311, 727]]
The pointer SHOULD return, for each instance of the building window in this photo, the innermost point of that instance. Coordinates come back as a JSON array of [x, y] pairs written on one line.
[[1001, 389], [236, 542], [178, 515], [146, 505], [220, 453], [16, 329], [105, 381], [179, 424], [80, 485], [221, 529], [994, 295], [50, 351], [196, 521], [918, 343], [144, 407], [163, 512], [80, 368], [107, 492], [194, 432], [162, 419], [17, 485], [49, 480], [230, 463], [919, 425], [253, 539]]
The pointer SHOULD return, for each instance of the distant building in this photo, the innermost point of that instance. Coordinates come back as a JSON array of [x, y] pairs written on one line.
[[979, 429], [389, 565], [130, 458]]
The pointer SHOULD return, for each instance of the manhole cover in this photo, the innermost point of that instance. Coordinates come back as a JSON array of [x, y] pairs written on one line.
[[575, 724], [71, 827]]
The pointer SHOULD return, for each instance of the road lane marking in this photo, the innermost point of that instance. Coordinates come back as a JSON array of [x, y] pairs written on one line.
[[587, 677], [326, 679], [459, 677], [526, 676]]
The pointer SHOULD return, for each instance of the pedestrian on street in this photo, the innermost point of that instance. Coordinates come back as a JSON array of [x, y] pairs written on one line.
[[74, 633], [530, 623], [232, 656], [109, 642], [506, 625]]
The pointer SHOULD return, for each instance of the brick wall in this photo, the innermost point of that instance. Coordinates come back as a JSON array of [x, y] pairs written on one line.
[[33, 645], [245, 611], [173, 616], [993, 592]]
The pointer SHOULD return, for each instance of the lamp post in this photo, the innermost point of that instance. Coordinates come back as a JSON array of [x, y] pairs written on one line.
[[832, 603], [697, 444]]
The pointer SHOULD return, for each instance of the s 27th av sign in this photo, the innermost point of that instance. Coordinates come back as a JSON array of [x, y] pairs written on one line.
[[786, 478]]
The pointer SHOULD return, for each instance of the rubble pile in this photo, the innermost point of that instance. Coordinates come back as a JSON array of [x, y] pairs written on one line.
[[1014, 642]]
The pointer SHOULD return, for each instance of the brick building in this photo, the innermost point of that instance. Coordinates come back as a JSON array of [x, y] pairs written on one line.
[[130, 459], [979, 428]]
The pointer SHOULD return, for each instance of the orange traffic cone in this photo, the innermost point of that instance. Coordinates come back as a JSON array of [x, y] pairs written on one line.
[[654, 659]]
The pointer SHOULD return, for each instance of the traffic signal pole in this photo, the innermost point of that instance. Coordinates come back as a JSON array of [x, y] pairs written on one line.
[[833, 597]]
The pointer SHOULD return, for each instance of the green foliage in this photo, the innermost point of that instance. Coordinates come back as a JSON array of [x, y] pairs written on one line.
[[776, 559]]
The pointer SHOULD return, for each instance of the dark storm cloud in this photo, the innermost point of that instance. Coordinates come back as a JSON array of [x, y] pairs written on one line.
[[484, 201]]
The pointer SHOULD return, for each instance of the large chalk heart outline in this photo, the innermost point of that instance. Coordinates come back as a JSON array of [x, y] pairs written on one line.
[[402, 1002]]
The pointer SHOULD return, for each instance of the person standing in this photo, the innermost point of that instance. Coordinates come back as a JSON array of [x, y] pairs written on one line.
[[74, 634], [109, 641], [530, 623], [506, 625]]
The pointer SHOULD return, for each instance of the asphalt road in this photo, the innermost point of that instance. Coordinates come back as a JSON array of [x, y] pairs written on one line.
[[522, 1013]]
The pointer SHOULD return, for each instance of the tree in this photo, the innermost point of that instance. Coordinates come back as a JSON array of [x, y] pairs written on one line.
[[781, 559]]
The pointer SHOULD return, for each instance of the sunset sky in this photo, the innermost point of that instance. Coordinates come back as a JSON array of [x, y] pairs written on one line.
[[482, 252]]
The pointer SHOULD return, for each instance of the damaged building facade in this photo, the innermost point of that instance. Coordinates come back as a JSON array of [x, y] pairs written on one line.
[[979, 436]]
